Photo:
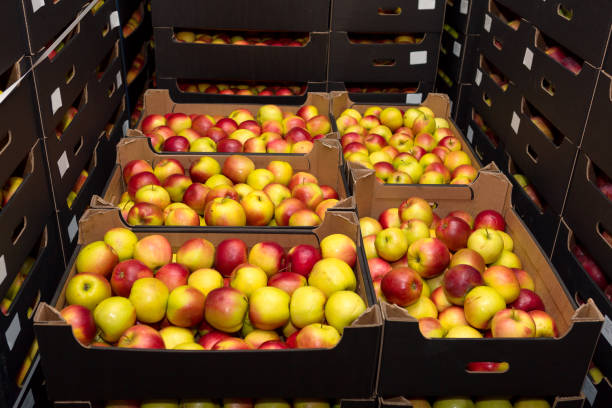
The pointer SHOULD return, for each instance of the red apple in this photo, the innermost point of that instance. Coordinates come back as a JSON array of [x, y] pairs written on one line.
[[489, 219], [125, 274], [528, 301], [378, 268], [453, 232], [402, 286], [228, 145], [428, 256], [142, 179], [464, 216], [302, 258], [82, 322], [173, 275], [287, 281], [211, 338], [230, 253], [458, 281], [141, 336]]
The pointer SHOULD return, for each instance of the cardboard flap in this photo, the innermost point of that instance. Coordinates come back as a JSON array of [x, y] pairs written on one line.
[[396, 402], [103, 216], [345, 204], [339, 222], [157, 101], [99, 202], [371, 317], [561, 402], [395, 312], [588, 312], [47, 314]]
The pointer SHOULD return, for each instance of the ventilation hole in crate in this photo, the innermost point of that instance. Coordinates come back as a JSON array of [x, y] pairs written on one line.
[[545, 127], [505, 14], [5, 141], [565, 12], [487, 367], [486, 99], [497, 43], [19, 230], [604, 234], [70, 74], [525, 184], [558, 53], [383, 62], [389, 12], [547, 86], [532, 154]]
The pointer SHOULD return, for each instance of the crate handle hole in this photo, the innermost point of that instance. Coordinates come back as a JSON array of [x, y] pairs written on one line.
[[389, 12], [487, 367], [565, 12], [532, 154], [497, 43], [547, 86], [383, 62], [605, 235], [486, 99]]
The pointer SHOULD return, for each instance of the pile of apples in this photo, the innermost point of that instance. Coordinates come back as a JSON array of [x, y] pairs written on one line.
[[242, 89], [482, 402], [133, 23], [457, 275], [405, 147], [136, 67], [235, 194], [382, 39], [268, 39], [9, 189], [72, 195], [225, 403], [262, 298], [13, 290], [271, 131], [594, 271]]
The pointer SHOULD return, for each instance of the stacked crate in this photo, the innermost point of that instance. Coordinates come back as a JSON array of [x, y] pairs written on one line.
[[196, 62], [367, 55], [459, 54]]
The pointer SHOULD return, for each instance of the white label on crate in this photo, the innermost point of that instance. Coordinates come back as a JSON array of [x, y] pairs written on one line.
[[463, 7], [37, 4], [457, 49], [56, 100], [28, 401], [119, 80], [13, 331], [606, 329], [528, 58], [73, 228], [126, 126], [62, 164], [427, 4], [414, 98], [470, 134], [487, 23], [114, 19], [478, 78], [3, 272], [516, 122], [418, 57], [589, 390]]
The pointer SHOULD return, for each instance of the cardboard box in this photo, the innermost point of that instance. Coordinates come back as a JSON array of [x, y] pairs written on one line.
[[46, 19], [585, 33], [376, 16], [323, 162], [418, 92], [264, 15], [467, 16], [344, 403], [97, 100], [594, 142], [352, 62], [181, 96], [20, 221], [43, 244], [556, 402], [19, 119], [600, 395], [589, 213], [459, 56], [559, 94], [248, 62], [12, 25], [350, 368], [562, 362], [31, 394]]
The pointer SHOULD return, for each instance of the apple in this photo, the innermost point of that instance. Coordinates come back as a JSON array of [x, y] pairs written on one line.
[[82, 322], [378, 268], [224, 212], [369, 226], [225, 309], [430, 327], [470, 257], [196, 253], [308, 193], [172, 275], [258, 208], [402, 286], [87, 289], [487, 243], [332, 275], [342, 308], [524, 279], [247, 278], [423, 307], [481, 304], [544, 324], [287, 281], [307, 306], [341, 247], [531, 403], [458, 281], [134, 167], [230, 253], [452, 316], [195, 196], [488, 366], [391, 244], [489, 219], [145, 214], [390, 218], [301, 177], [204, 168], [428, 257], [97, 257], [113, 316], [174, 336], [122, 240], [463, 332], [209, 340], [205, 280], [281, 170], [141, 336], [302, 258], [416, 208], [125, 274], [258, 337], [440, 300], [527, 301], [277, 193], [453, 232], [140, 180], [185, 306], [153, 250], [150, 122], [269, 308], [317, 335], [286, 209], [512, 323]]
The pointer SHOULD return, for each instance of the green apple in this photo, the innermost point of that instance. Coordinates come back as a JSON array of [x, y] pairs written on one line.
[[307, 306], [332, 275], [113, 316], [122, 240], [149, 297], [391, 244], [493, 403], [342, 308], [531, 403], [487, 242], [88, 290], [453, 402]]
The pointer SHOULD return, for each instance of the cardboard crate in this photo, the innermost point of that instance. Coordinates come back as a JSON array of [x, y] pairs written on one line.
[[556, 402], [597, 396], [320, 373], [33, 391], [418, 92], [178, 95], [19, 119], [594, 142], [586, 33], [352, 62], [125, 9], [376, 16], [21, 221], [323, 162], [137, 86], [343, 403], [562, 362], [12, 25], [589, 212], [46, 19], [43, 244], [467, 16], [264, 15], [249, 62], [459, 56]]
